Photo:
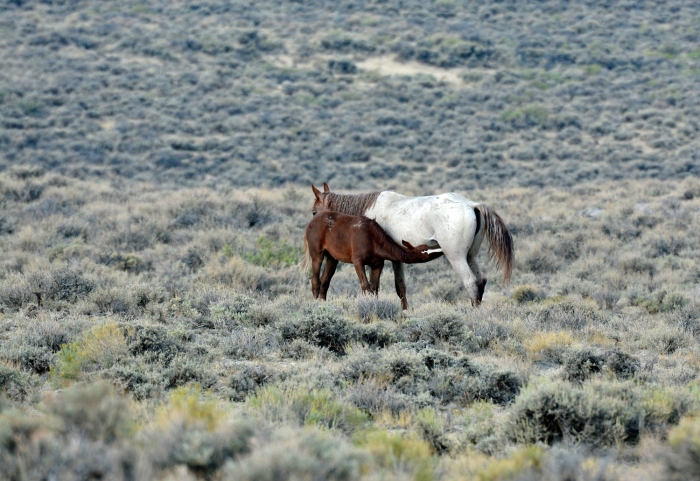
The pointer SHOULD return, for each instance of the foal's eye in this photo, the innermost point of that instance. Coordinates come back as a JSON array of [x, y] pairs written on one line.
[[313, 212]]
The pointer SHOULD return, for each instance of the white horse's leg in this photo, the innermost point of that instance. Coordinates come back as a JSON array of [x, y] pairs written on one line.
[[480, 279], [475, 268], [457, 258], [460, 246]]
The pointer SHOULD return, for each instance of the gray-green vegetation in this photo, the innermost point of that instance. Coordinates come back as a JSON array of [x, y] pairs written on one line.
[[164, 322], [155, 162], [267, 93]]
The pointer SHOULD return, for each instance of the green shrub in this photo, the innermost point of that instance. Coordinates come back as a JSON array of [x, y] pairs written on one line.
[[557, 412], [666, 339], [103, 345], [489, 384], [233, 310], [380, 334], [93, 411], [438, 324], [581, 364], [273, 253], [376, 396], [566, 315], [153, 342], [248, 377], [32, 107], [594, 69], [191, 430], [293, 454], [315, 407], [141, 383], [323, 327], [660, 301], [401, 363], [400, 456], [479, 425], [524, 463], [262, 315], [203, 451], [36, 359], [369, 307], [68, 362], [525, 294], [300, 349], [681, 460], [114, 300], [14, 383], [432, 429], [530, 116], [597, 414], [621, 364], [251, 343], [184, 370], [131, 263], [44, 286]]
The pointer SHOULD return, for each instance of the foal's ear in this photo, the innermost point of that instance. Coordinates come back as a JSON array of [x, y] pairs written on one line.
[[326, 189], [407, 244], [317, 192]]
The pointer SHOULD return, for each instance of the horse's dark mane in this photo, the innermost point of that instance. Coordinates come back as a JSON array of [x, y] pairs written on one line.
[[351, 204]]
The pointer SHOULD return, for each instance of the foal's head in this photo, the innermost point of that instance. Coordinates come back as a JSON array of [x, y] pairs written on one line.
[[321, 200]]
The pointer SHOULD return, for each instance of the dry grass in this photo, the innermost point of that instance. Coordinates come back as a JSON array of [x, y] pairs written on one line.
[[158, 291]]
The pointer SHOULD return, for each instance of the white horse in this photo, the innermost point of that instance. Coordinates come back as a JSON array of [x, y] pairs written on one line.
[[451, 221]]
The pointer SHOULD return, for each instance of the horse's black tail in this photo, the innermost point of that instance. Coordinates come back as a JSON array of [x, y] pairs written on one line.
[[500, 240]]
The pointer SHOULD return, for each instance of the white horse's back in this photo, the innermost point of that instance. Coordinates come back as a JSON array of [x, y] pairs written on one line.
[[426, 220]]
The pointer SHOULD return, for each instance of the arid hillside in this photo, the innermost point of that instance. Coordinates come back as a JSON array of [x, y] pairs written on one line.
[[378, 94]]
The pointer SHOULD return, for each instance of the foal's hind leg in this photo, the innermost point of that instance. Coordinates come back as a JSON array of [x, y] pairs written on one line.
[[328, 271], [400, 283], [316, 262]]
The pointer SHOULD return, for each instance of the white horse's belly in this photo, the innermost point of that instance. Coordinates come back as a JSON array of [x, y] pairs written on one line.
[[441, 219]]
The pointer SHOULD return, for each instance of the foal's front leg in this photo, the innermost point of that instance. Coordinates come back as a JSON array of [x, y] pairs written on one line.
[[374, 276], [360, 269], [328, 271], [400, 283]]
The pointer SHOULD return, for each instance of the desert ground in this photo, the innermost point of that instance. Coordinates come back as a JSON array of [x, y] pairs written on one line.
[[156, 161]]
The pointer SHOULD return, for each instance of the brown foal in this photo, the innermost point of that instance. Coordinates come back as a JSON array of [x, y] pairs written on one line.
[[356, 240]]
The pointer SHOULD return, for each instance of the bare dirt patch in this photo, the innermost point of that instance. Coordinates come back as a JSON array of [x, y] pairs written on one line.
[[387, 65]]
